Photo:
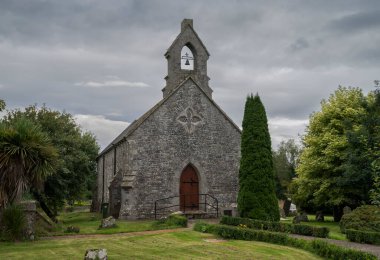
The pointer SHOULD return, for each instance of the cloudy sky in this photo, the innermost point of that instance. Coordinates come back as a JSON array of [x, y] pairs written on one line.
[[103, 62]]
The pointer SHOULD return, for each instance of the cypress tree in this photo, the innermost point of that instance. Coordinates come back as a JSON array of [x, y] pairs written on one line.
[[256, 198]]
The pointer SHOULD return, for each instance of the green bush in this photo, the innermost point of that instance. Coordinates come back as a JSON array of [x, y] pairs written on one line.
[[204, 227], [256, 147], [364, 218], [173, 220], [363, 236], [329, 251], [72, 229], [13, 222], [176, 220], [277, 226], [315, 246]]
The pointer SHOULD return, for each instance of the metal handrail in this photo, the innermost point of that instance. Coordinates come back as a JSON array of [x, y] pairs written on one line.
[[205, 203]]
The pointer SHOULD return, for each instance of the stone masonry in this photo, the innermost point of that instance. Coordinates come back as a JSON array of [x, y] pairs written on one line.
[[145, 162]]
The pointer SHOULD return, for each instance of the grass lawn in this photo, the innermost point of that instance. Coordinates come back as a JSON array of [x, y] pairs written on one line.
[[329, 223], [89, 224], [175, 245]]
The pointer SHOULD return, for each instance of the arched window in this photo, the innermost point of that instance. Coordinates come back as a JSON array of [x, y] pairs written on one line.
[[187, 59]]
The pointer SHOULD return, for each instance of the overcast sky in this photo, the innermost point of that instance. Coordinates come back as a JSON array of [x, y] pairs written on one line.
[[103, 61]]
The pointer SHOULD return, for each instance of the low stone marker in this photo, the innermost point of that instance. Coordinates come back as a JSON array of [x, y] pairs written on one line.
[[30, 209], [304, 217], [300, 218], [346, 210], [92, 254], [108, 222], [319, 216]]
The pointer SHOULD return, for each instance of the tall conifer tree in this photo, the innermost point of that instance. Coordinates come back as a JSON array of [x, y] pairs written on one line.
[[256, 198]]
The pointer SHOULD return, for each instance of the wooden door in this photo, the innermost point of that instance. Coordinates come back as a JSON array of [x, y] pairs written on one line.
[[189, 189]]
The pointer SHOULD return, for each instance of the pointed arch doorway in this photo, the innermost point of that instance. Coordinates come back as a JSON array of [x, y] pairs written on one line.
[[189, 189]]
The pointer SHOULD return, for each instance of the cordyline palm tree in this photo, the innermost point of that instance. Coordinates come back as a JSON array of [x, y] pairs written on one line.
[[26, 159]]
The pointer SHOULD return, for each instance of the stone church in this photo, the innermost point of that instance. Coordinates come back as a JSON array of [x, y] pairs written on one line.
[[181, 155]]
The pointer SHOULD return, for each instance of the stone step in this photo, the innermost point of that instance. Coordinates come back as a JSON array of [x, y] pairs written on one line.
[[199, 214]]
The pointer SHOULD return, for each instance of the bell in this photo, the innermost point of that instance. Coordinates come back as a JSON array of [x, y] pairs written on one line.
[[187, 62]]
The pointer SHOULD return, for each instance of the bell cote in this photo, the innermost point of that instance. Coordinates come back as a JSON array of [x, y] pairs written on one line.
[[187, 56]]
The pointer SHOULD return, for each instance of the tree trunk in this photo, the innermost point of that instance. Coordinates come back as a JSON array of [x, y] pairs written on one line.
[[338, 213]]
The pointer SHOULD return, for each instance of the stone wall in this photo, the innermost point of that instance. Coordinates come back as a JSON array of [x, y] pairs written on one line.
[[164, 145]]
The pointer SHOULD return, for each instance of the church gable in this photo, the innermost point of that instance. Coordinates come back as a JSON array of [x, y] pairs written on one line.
[[185, 139], [186, 129]]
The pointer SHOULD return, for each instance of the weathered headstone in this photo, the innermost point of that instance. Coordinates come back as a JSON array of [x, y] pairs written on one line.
[[92, 254], [30, 209], [304, 217], [319, 216], [300, 218], [296, 220], [108, 222], [346, 210]]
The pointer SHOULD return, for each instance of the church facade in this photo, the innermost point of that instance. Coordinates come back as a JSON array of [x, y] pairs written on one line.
[[183, 154]]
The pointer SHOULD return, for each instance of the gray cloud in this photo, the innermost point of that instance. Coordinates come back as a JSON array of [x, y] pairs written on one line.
[[357, 21], [293, 53], [298, 45]]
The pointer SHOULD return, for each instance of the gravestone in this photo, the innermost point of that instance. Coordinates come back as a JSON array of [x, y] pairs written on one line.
[[108, 222], [346, 210], [304, 217], [30, 211], [300, 218], [319, 216], [98, 254]]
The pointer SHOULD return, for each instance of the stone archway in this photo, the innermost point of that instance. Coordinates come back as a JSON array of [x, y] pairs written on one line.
[[189, 189]]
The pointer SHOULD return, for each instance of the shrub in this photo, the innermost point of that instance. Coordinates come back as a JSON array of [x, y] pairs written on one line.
[[176, 220], [13, 221], [315, 246], [329, 251], [364, 218], [363, 236], [277, 226], [320, 232], [256, 147], [72, 229], [173, 220], [204, 227]]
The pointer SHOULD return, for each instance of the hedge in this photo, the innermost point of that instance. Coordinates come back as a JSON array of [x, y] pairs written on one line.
[[316, 246], [172, 221], [367, 237], [277, 226]]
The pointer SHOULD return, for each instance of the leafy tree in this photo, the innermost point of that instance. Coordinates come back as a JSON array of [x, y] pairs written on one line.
[[27, 157], [324, 177], [2, 105], [374, 153], [256, 198], [285, 160], [76, 171]]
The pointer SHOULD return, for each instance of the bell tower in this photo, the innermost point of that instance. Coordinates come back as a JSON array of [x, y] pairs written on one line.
[[187, 56]]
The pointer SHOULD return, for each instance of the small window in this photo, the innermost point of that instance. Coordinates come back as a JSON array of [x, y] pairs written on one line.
[[187, 59]]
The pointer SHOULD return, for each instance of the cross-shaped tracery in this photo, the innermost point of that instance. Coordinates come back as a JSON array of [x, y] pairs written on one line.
[[190, 119]]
